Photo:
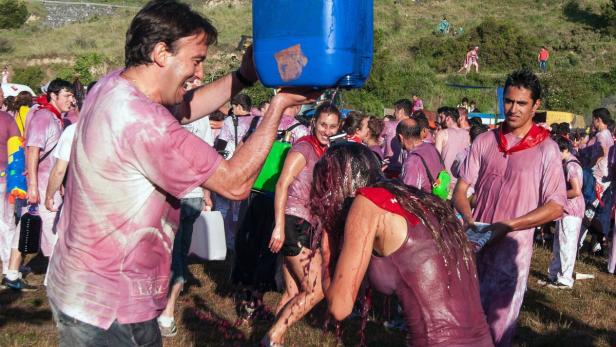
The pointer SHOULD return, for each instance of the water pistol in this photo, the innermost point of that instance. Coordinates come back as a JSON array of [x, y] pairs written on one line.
[[16, 180], [440, 187]]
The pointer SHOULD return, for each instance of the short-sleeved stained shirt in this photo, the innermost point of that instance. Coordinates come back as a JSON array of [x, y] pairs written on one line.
[[299, 190], [575, 206], [600, 169], [130, 163], [511, 186], [43, 131], [414, 171]]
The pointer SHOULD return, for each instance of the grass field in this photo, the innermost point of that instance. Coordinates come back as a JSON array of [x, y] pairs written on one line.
[[584, 316]]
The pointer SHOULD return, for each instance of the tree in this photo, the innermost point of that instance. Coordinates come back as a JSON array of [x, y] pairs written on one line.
[[13, 14]]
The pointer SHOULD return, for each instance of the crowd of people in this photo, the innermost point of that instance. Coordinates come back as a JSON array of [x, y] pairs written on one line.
[[119, 172]]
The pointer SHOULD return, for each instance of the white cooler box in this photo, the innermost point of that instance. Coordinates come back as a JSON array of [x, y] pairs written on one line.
[[208, 239]]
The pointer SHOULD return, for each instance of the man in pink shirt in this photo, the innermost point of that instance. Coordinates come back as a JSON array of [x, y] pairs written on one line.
[[109, 275], [43, 132], [517, 174], [451, 140], [392, 149], [423, 162]]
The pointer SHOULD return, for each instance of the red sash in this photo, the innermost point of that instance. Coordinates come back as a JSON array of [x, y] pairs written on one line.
[[53, 110], [535, 136], [355, 139], [319, 149]]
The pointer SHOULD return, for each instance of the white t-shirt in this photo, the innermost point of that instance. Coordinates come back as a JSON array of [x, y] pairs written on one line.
[[201, 128], [63, 148]]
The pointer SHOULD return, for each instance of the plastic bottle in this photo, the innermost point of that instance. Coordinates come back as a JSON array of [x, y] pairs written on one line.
[[315, 43], [30, 231]]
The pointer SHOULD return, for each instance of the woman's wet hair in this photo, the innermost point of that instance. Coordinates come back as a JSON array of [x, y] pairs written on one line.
[[347, 167]]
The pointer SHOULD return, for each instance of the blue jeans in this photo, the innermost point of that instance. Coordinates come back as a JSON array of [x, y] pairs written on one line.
[[543, 65], [189, 212], [75, 333]]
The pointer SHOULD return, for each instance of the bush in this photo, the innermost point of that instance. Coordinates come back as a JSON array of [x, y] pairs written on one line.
[[32, 76], [85, 64], [503, 46], [5, 46], [13, 14], [609, 17], [577, 92]]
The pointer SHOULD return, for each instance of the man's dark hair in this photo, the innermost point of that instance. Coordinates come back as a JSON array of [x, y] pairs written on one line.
[[57, 85], [406, 105], [164, 21], [475, 121], [524, 78], [242, 100], [421, 120], [409, 131], [217, 116], [603, 114], [477, 130], [450, 112], [563, 143]]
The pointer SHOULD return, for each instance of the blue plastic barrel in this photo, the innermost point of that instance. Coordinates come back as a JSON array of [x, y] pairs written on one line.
[[313, 43]]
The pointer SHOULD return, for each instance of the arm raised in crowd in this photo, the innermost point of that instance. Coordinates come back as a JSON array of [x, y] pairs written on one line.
[[233, 178]]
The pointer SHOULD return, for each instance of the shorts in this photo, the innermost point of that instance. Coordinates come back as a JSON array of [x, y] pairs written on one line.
[[297, 232]]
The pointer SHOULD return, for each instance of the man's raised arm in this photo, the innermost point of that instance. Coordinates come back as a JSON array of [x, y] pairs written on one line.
[[234, 177]]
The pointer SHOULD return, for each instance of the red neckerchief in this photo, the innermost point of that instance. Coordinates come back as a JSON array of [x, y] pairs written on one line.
[[355, 139], [384, 199], [535, 136], [53, 110], [319, 149]]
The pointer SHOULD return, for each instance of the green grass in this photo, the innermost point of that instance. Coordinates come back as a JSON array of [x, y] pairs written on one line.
[[583, 316]]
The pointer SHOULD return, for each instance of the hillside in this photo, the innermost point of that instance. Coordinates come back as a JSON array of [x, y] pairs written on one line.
[[409, 57]]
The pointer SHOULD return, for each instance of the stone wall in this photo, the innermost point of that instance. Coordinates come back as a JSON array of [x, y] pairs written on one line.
[[59, 14]]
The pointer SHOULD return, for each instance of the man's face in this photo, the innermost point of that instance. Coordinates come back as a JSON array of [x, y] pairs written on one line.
[[182, 67], [325, 126], [442, 120], [519, 107], [597, 123], [63, 100], [399, 114]]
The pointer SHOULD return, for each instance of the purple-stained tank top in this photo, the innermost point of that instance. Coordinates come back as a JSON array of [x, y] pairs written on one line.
[[441, 304], [299, 190]]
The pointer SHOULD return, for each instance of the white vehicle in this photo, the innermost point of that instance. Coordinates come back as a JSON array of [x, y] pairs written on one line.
[[12, 89]]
